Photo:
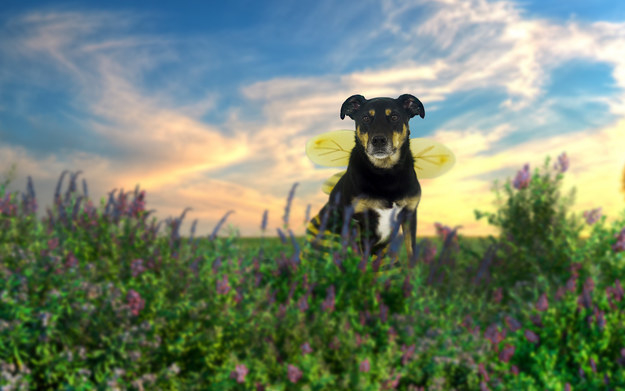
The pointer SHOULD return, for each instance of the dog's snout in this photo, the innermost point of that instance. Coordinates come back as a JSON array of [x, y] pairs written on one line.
[[378, 141]]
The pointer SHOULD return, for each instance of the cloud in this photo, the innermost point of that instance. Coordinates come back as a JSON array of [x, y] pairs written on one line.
[[157, 134]]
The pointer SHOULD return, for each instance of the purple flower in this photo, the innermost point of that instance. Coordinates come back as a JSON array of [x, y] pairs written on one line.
[[563, 163], [239, 373], [531, 336], [407, 353], [287, 208], [364, 365], [263, 223], [383, 312], [71, 260], [482, 371], [592, 216], [135, 302], [306, 349], [542, 303], [223, 287], [294, 374], [620, 242], [328, 303], [593, 365], [506, 353], [136, 267], [522, 179], [498, 295]]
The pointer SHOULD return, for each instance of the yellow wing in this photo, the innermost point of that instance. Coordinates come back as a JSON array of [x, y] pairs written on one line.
[[431, 158], [331, 149]]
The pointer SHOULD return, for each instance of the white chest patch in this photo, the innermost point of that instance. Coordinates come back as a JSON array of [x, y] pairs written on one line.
[[385, 221]]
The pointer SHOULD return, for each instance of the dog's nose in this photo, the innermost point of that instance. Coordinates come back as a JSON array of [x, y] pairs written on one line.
[[378, 141]]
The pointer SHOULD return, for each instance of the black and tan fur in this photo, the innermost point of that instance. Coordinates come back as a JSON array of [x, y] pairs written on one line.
[[380, 180]]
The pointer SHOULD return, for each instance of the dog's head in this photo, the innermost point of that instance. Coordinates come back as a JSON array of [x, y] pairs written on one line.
[[382, 125]]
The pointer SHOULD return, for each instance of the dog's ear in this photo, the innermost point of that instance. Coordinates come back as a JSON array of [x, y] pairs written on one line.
[[352, 105], [412, 105]]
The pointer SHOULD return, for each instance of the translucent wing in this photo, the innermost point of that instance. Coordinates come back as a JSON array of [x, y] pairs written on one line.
[[331, 149], [431, 158], [329, 183]]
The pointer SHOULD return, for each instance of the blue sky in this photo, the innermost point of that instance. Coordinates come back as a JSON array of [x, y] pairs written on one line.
[[209, 105]]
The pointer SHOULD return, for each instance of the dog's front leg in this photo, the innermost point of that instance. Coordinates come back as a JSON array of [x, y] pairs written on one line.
[[409, 229]]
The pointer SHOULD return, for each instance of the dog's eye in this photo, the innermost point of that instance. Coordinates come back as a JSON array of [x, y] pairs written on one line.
[[366, 119], [394, 118]]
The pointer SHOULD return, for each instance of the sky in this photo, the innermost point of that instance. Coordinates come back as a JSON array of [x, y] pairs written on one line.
[[209, 105]]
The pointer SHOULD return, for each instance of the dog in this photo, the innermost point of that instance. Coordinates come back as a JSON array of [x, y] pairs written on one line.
[[380, 183]]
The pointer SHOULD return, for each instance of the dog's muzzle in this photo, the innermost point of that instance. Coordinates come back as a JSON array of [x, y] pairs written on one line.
[[379, 147]]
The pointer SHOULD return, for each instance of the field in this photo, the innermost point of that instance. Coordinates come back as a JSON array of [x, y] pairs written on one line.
[[106, 297]]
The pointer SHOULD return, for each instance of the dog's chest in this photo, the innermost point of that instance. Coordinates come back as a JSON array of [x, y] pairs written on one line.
[[386, 218]]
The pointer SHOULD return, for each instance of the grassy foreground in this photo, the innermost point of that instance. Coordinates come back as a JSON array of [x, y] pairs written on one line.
[[108, 298]]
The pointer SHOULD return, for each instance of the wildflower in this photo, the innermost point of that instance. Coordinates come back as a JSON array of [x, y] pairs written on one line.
[[219, 224], [593, 365], [407, 353], [335, 343], [482, 371], [136, 267], [620, 242], [592, 216], [223, 287], [392, 382], [531, 336], [364, 365], [498, 295], [493, 334], [542, 303], [239, 373], [71, 261], [53, 243], [306, 349], [328, 303], [307, 214], [302, 303], [287, 208], [135, 302], [294, 374], [563, 163], [263, 223], [522, 179], [515, 370], [506, 353], [383, 312]]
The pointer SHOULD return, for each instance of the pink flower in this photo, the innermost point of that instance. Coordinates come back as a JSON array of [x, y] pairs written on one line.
[[239, 373], [223, 287], [522, 179], [592, 216], [135, 302], [364, 365], [531, 336], [136, 267], [563, 163], [306, 348], [542, 303], [328, 303], [294, 374], [506, 353]]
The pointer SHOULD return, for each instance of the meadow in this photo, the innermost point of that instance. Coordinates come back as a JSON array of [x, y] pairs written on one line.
[[105, 297]]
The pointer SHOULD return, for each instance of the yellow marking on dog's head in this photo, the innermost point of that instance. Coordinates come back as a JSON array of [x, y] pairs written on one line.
[[372, 112], [399, 138], [363, 137], [387, 112]]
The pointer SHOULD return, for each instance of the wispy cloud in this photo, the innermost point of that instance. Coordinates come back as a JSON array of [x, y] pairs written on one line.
[[138, 94]]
